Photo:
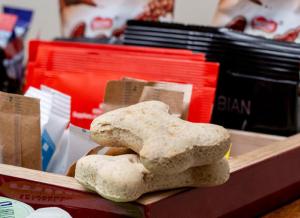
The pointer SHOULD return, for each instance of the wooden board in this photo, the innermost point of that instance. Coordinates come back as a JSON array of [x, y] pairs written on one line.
[[244, 142], [260, 181], [257, 175]]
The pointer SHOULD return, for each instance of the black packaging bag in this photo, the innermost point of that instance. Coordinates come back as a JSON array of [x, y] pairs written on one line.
[[258, 79], [257, 88], [251, 102]]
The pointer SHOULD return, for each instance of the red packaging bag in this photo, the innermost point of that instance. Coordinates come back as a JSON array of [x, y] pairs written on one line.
[[35, 45], [84, 77], [86, 103], [58, 60]]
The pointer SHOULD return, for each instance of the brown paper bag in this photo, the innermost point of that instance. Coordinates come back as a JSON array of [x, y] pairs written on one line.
[[20, 142]]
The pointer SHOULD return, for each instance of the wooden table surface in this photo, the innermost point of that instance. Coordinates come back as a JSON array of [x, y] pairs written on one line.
[[289, 211]]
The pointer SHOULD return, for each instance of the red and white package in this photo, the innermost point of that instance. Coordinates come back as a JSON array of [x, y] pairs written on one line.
[[268, 18], [104, 18]]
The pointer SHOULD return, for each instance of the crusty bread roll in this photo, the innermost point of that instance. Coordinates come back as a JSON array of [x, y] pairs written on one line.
[[123, 178], [165, 143]]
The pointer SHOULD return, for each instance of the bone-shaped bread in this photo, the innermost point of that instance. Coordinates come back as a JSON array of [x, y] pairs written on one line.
[[123, 178], [166, 144]]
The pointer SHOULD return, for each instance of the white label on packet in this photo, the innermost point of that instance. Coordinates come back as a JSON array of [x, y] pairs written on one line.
[[45, 103], [77, 144], [61, 103]]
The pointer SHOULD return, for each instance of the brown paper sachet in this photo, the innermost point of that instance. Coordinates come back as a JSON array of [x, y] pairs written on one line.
[[20, 133], [128, 91], [172, 98], [122, 93], [187, 89]]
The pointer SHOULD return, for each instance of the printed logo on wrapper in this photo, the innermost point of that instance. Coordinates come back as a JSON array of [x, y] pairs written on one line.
[[102, 23]]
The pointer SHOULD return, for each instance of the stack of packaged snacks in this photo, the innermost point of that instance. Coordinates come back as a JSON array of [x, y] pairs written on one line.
[[258, 82], [83, 70]]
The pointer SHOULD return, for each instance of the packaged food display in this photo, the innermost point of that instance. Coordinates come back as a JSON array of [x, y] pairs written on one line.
[[59, 65], [126, 114], [256, 74]]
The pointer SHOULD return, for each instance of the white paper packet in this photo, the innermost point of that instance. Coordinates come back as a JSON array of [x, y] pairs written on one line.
[[75, 143], [61, 146], [45, 103], [55, 117], [59, 119]]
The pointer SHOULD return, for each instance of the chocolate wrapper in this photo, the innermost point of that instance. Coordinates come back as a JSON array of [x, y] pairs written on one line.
[[267, 18], [104, 18]]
